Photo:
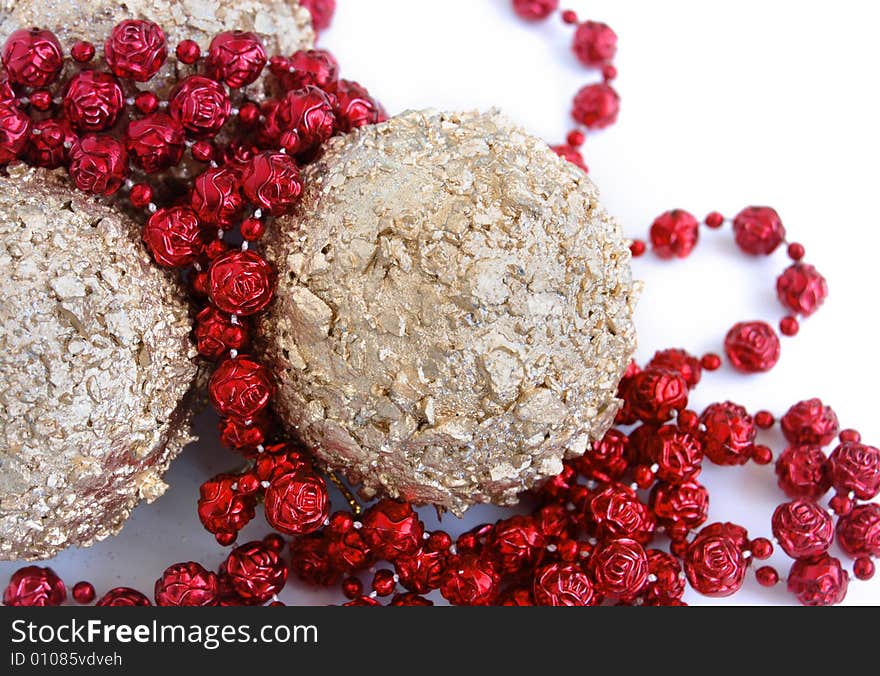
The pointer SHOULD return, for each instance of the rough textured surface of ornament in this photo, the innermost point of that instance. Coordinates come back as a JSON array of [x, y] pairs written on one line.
[[283, 25], [96, 365], [433, 266]]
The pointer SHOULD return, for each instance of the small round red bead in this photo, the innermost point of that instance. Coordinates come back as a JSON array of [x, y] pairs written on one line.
[[82, 51], [714, 220], [767, 576], [83, 592], [188, 51], [789, 326]]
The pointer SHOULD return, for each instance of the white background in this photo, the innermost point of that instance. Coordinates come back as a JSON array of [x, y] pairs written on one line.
[[724, 105]]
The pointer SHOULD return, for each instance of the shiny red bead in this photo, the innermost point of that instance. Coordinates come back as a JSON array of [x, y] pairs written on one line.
[[271, 181], [236, 58], [796, 251], [32, 57], [752, 347], [762, 455], [608, 459], [305, 119], [392, 529], [764, 420], [575, 138], [849, 435], [46, 147], [767, 576], [252, 229], [255, 572], [297, 503], [710, 362], [858, 533], [761, 548], [93, 100], [155, 142], [41, 100], [15, 130], [594, 43], [535, 10], [714, 220], [316, 67], [655, 395], [98, 164], [680, 361], [188, 51], [146, 102], [616, 511], [240, 387], [82, 51], [354, 106], [801, 289], [34, 586], [855, 467], [619, 568], [680, 507], [802, 528], [715, 566], [803, 472], [241, 282], [321, 11], [516, 543], [83, 592], [135, 49], [222, 509], [674, 234], [174, 237], [677, 454], [789, 326], [818, 582], [216, 334], [863, 568], [201, 105], [559, 584], [216, 198], [187, 584], [410, 599], [596, 106], [665, 585], [470, 580], [758, 231], [810, 422], [422, 571], [729, 435], [637, 248], [384, 583], [352, 587], [120, 597]]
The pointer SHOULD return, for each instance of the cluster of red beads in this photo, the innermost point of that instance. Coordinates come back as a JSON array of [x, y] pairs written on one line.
[[751, 346], [594, 532]]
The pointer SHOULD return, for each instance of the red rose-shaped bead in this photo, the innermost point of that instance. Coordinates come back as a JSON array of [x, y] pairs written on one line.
[[241, 282], [271, 181], [801, 289], [679, 361], [392, 529], [46, 148], [616, 511], [279, 459], [516, 543], [187, 584], [135, 49], [561, 584], [677, 454], [596, 106], [855, 467], [680, 507], [410, 599], [607, 461], [674, 234], [858, 533], [304, 118], [155, 142], [310, 561], [730, 433], [123, 597], [236, 57], [240, 387], [93, 100], [98, 164], [665, 584], [255, 572], [222, 509], [32, 57], [316, 67], [752, 347], [758, 230], [470, 580], [818, 582], [802, 528], [655, 394], [244, 436], [321, 11], [347, 547], [297, 503], [534, 10], [34, 586], [353, 106], [15, 130], [216, 197], [174, 236], [810, 422], [200, 104], [421, 572], [732, 531], [714, 565], [595, 44], [216, 334], [619, 568], [803, 472]]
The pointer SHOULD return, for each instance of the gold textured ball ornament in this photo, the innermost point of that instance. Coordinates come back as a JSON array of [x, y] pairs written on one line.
[[96, 366], [453, 312]]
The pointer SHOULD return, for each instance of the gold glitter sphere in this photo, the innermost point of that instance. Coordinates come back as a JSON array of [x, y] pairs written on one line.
[[453, 312], [96, 366]]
